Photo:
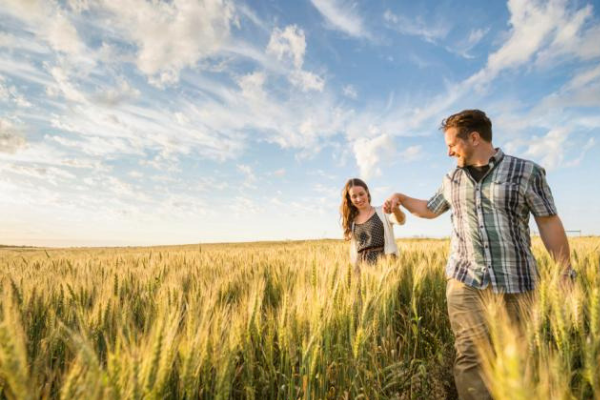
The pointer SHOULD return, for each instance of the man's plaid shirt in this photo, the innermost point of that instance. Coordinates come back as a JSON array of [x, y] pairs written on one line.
[[490, 222]]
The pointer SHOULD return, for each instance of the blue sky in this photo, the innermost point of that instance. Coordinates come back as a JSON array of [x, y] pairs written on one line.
[[185, 121]]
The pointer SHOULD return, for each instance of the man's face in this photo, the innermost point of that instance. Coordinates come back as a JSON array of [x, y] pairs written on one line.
[[461, 149]]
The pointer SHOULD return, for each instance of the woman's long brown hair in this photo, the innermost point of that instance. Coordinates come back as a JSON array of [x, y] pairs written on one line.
[[347, 210]]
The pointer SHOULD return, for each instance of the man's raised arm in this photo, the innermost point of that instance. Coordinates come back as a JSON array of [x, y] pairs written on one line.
[[414, 206]]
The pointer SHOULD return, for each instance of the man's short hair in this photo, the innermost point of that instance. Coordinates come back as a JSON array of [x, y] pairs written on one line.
[[468, 121]]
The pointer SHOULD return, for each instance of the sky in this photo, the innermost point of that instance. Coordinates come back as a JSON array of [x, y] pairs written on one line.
[[169, 122]]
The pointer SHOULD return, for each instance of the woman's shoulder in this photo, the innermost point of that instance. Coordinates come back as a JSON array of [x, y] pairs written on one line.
[[379, 210], [389, 218], [380, 213]]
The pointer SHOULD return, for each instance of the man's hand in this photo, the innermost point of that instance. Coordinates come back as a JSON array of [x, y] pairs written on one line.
[[392, 202], [414, 206], [567, 278]]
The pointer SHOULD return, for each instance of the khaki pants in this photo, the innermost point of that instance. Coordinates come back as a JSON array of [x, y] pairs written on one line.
[[467, 319]]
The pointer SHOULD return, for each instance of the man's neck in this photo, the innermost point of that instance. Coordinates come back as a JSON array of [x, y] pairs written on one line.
[[483, 157]]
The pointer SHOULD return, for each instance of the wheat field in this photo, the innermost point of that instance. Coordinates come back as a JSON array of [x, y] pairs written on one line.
[[286, 320]]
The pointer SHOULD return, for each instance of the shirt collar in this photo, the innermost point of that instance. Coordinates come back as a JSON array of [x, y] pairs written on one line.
[[496, 158]]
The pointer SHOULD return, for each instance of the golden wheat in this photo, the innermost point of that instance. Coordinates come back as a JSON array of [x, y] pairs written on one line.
[[281, 320]]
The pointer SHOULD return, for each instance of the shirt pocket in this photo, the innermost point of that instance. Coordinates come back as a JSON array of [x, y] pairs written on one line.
[[505, 195]]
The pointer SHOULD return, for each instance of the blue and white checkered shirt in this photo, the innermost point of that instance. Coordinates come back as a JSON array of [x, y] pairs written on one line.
[[490, 222]]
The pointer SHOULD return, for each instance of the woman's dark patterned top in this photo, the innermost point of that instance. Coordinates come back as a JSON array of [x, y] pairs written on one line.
[[368, 235]]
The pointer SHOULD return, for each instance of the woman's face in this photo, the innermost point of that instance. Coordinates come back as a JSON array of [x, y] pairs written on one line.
[[359, 197]]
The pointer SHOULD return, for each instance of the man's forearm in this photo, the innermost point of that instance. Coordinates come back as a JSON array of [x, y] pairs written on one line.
[[416, 207], [399, 215], [555, 240]]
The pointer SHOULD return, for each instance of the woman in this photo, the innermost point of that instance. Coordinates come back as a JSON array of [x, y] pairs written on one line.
[[368, 228]]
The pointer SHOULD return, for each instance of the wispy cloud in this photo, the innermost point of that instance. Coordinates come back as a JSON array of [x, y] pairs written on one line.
[[307, 81], [546, 29], [464, 47], [411, 154], [350, 92], [549, 149], [249, 176], [583, 90], [343, 15], [11, 138], [49, 22], [429, 32]]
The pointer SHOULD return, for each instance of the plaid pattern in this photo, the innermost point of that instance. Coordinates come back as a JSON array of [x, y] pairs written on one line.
[[490, 223]]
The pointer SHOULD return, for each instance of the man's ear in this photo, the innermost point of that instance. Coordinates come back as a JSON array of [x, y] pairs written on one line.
[[475, 138]]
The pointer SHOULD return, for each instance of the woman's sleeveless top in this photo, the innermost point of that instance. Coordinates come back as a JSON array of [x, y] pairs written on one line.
[[370, 239]]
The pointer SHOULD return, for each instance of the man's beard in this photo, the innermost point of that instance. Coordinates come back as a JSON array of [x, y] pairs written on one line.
[[465, 160]]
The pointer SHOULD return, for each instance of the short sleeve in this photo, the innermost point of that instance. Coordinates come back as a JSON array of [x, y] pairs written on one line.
[[538, 195], [438, 203]]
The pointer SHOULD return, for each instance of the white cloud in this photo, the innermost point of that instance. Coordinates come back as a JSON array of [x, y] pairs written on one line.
[[78, 6], [420, 61], [13, 94], [30, 45], [575, 36], [62, 35], [96, 146], [584, 78], [49, 22], [114, 96], [25, 71], [549, 149], [52, 175], [172, 35], [4, 93], [249, 176], [546, 29], [252, 85], [350, 92], [288, 44], [411, 153], [307, 81], [370, 153], [209, 184], [577, 161], [430, 32], [476, 35], [19, 99], [534, 26], [64, 85], [583, 90], [553, 149], [243, 206], [462, 48], [247, 171], [343, 16], [11, 138]]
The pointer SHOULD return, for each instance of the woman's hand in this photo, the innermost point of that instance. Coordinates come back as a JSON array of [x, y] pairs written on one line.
[[392, 203]]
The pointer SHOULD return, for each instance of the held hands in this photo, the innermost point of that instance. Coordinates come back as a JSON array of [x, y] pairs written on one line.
[[391, 203]]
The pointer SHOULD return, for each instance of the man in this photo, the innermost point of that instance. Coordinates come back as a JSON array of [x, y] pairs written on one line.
[[491, 195]]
